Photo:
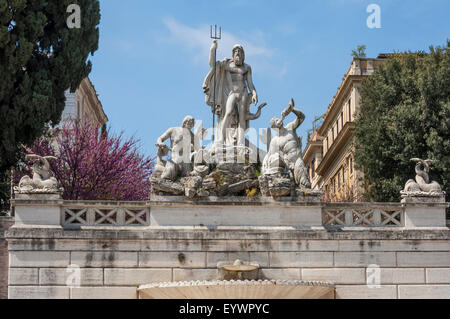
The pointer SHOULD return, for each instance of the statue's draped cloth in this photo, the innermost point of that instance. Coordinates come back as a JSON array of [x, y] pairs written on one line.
[[223, 90]]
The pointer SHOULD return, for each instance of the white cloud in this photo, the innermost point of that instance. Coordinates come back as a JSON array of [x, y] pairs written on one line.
[[197, 40]]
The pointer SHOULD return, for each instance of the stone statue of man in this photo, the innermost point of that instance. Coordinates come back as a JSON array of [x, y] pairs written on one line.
[[182, 141], [285, 150], [233, 84]]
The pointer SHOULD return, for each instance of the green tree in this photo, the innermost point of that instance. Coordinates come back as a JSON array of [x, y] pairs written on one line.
[[405, 113], [360, 52], [40, 58]]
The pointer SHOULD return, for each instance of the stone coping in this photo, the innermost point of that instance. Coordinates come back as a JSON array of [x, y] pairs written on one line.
[[199, 283], [217, 201], [227, 233]]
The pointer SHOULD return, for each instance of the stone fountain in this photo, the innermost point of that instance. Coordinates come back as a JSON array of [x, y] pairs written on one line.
[[238, 280], [231, 169]]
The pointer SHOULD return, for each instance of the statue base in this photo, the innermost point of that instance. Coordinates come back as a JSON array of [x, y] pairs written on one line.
[[423, 197]]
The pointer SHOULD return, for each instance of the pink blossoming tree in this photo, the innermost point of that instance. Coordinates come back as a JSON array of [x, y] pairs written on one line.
[[96, 166]]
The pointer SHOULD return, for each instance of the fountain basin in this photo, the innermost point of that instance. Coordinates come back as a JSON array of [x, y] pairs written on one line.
[[239, 289]]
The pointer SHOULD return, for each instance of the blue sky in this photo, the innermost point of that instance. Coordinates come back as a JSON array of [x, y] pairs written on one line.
[[153, 55]]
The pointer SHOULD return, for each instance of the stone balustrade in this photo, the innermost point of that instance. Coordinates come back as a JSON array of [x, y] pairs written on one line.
[[115, 247], [213, 212]]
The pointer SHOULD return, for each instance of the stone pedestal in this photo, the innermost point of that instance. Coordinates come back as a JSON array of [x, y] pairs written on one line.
[[37, 210], [422, 210]]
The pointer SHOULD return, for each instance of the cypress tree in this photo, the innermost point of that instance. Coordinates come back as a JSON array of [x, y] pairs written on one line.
[[41, 57]]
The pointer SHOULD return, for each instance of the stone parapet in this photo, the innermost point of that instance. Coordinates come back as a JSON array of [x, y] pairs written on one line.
[[114, 262], [62, 249]]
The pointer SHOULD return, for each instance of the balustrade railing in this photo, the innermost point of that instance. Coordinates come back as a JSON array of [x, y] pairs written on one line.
[[105, 215], [363, 215], [76, 214]]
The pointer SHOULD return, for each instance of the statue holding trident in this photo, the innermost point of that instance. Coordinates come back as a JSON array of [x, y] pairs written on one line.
[[227, 88]]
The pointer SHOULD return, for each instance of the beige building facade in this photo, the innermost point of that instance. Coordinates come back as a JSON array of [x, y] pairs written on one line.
[[329, 154], [85, 105]]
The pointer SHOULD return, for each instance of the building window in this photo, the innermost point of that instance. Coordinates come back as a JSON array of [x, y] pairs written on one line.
[[349, 110], [332, 135], [313, 168], [337, 127], [351, 166], [342, 120], [327, 143], [339, 180]]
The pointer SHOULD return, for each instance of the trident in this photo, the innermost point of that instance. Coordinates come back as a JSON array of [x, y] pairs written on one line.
[[215, 36]]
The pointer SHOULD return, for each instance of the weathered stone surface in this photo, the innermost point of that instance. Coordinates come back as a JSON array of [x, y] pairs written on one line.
[[172, 259], [416, 217], [364, 259], [423, 259], [5, 224], [212, 258], [103, 293], [60, 277], [194, 274], [438, 275], [79, 245], [104, 259], [38, 292], [420, 197], [39, 215], [364, 292], [136, 277], [304, 245], [39, 259], [23, 276], [301, 259], [166, 186], [424, 292], [261, 258], [173, 245], [241, 186], [280, 274], [280, 187], [264, 185], [238, 233], [342, 276], [391, 276], [394, 245], [232, 216]]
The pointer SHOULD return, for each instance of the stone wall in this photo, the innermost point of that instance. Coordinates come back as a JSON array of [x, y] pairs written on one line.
[[5, 224], [113, 262]]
